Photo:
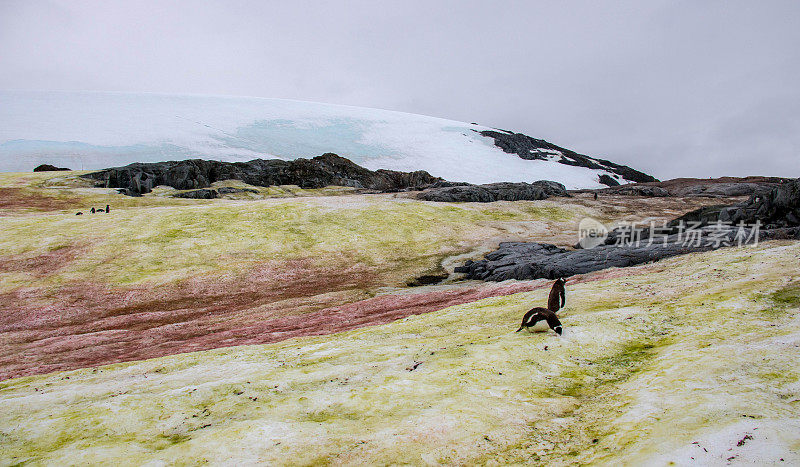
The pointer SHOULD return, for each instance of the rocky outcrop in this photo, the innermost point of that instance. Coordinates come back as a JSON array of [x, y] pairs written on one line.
[[228, 190], [321, 171], [723, 187], [778, 208], [530, 148], [530, 260], [778, 212], [203, 193], [494, 192], [704, 216], [49, 168], [721, 190], [639, 190], [608, 180]]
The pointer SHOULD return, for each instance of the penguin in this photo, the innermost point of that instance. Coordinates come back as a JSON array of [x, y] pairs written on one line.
[[79, 213], [92, 211], [558, 296], [539, 319], [595, 196], [108, 208]]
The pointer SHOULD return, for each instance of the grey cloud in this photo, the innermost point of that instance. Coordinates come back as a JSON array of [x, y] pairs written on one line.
[[672, 88]]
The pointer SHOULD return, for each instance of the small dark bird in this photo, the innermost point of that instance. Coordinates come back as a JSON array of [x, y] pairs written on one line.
[[540, 319], [595, 196], [100, 210], [92, 211], [78, 213], [108, 208], [558, 296]]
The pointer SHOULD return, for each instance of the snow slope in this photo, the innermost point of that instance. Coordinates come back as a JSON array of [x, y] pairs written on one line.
[[84, 130]]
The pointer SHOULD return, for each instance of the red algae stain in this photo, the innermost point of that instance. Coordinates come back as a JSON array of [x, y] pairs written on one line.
[[79, 325], [15, 199], [43, 264], [370, 312], [86, 325]]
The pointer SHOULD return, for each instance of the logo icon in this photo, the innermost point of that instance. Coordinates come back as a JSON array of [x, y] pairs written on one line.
[[591, 233]]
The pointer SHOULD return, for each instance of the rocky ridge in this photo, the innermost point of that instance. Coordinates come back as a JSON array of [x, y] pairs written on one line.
[[777, 208], [321, 171], [529, 148], [487, 193], [778, 213], [723, 187], [49, 168]]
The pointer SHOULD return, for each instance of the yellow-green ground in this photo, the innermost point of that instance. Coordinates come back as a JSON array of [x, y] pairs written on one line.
[[156, 239], [691, 359], [700, 348]]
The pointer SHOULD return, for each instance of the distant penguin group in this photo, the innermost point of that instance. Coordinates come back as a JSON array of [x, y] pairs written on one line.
[[541, 319], [93, 210]]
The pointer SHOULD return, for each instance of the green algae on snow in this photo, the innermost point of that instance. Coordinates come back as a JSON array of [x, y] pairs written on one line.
[[171, 243], [649, 363], [788, 296]]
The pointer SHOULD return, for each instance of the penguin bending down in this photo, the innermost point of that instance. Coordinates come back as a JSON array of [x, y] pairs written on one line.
[[78, 213], [558, 296], [540, 319]]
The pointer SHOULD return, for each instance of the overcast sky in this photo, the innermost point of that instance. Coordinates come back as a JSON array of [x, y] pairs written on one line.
[[681, 88]]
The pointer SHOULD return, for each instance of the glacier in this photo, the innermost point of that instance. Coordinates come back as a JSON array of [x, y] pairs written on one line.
[[94, 130]]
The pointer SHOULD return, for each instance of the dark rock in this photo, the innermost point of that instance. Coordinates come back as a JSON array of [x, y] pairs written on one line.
[[428, 279], [723, 187], [445, 183], [781, 233], [227, 190], [524, 260], [321, 171], [778, 212], [464, 268], [705, 215], [608, 180], [49, 168], [780, 207], [128, 192], [469, 193], [400, 181], [530, 148], [504, 191], [202, 193], [639, 190], [721, 190]]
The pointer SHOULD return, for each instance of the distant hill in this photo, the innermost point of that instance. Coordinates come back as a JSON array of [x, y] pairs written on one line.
[[98, 130]]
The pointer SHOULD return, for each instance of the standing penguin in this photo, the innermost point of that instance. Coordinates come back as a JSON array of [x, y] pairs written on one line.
[[540, 319], [108, 208], [558, 296], [92, 210]]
